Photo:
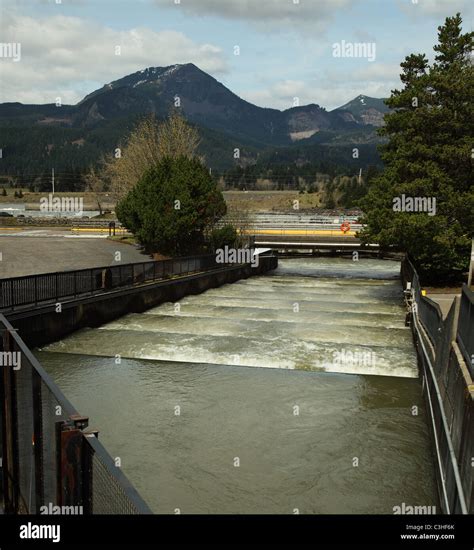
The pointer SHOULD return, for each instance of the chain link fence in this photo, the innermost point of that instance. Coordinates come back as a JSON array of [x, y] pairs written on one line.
[[49, 459]]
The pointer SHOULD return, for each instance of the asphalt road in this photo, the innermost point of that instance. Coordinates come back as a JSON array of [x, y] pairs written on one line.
[[43, 251]]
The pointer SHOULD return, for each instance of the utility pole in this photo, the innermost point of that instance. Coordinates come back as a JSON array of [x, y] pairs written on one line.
[[471, 266], [360, 176], [53, 179]]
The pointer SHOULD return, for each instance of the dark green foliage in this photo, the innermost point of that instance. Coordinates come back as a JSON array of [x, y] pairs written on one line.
[[172, 206], [429, 154], [223, 236]]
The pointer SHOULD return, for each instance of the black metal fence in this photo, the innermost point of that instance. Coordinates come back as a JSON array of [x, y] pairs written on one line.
[[30, 290], [428, 311], [48, 458], [465, 335], [447, 389]]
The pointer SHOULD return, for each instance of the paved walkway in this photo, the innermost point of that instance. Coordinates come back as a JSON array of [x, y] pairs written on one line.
[[444, 301], [43, 251]]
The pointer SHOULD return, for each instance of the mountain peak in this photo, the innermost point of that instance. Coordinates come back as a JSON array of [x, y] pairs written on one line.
[[364, 110], [138, 78], [207, 102], [225, 120]]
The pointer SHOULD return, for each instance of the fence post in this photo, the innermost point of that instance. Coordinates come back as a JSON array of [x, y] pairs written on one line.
[[8, 433], [38, 439], [471, 266], [87, 477], [71, 490], [457, 306]]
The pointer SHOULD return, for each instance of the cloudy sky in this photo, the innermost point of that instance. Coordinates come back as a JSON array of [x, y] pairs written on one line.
[[285, 47]]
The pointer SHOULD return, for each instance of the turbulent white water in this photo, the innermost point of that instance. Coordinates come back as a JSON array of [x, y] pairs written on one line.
[[331, 315], [296, 433]]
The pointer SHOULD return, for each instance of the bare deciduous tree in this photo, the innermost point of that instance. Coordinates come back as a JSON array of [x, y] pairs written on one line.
[[243, 220], [147, 144], [177, 138], [96, 185]]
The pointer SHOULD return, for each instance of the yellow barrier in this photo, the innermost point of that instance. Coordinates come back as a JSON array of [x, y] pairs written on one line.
[[98, 230], [302, 232], [279, 232]]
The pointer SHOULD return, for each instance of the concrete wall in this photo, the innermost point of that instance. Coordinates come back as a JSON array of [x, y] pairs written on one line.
[[45, 325]]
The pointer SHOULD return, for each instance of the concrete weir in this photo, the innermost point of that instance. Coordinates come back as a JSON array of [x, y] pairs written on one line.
[[42, 325]]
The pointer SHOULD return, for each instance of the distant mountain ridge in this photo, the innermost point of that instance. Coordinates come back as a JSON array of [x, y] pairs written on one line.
[[205, 102], [364, 110]]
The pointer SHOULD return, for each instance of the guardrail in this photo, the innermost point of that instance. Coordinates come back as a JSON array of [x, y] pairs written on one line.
[[429, 312], [465, 335], [49, 461], [34, 290], [447, 388]]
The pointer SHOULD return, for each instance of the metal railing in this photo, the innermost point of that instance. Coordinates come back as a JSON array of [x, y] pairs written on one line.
[[428, 311], [465, 335], [450, 405], [48, 459], [33, 290]]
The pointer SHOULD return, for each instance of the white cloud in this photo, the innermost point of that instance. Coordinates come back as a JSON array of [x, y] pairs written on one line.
[[437, 8], [301, 15], [69, 56], [384, 73], [281, 95], [330, 90]]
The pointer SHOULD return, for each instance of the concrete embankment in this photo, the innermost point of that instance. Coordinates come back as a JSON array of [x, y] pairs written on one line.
[[47, 324]]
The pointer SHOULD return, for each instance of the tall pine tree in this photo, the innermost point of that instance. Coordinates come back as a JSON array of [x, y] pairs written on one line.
[[429, 154]]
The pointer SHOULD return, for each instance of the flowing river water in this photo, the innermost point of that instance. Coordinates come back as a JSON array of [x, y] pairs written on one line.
[[296, 390]]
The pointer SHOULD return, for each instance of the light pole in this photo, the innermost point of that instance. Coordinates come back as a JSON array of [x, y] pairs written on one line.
[[471, 266]]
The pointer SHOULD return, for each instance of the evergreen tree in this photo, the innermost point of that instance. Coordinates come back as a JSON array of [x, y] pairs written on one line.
[[172, 206], [429, 154]]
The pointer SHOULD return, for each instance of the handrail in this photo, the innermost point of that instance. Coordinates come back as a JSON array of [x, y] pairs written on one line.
[[36, 423], [86, 269], [30, 290], [427, 315], [447, 432], [36, 365], [465, 333]]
